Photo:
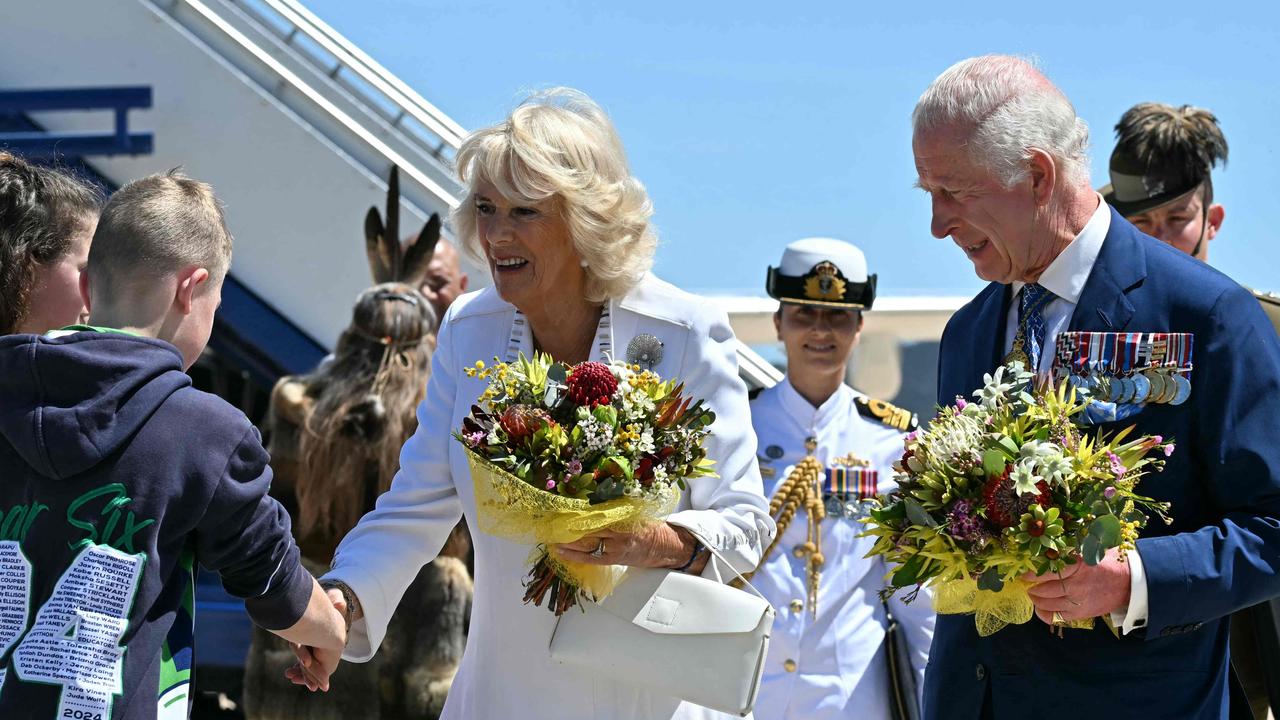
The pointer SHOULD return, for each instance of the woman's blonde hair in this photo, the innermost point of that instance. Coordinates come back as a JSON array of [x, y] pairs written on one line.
[[560, 144]]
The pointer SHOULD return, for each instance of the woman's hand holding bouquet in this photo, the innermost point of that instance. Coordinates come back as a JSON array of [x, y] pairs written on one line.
[[560, 453]]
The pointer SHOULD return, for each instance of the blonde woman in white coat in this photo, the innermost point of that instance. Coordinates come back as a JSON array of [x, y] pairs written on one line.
[[565, 231]]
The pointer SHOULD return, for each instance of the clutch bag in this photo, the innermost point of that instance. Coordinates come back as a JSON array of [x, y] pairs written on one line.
[[675, 634]]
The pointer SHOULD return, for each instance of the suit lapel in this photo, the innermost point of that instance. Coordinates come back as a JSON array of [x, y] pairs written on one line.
[[1121, 266], [990, 331]]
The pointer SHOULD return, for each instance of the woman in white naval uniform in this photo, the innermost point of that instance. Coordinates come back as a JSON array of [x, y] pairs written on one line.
[[565, 229], [830, 663]]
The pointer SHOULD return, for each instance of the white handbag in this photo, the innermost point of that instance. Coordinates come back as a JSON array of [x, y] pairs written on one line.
[[676, 634]]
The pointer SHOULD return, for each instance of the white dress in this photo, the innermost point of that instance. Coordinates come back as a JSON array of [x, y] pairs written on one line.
[[834, 665], [506, 671]]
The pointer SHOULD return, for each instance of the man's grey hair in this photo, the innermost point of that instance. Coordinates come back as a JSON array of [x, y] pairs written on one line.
[[1006, 106]]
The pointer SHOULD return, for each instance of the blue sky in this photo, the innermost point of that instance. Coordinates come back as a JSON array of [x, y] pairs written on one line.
[[754, 124]]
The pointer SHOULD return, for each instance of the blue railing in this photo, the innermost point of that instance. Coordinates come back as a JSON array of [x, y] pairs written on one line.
[[45, 144]]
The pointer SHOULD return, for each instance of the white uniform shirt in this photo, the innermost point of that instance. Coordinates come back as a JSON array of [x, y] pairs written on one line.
[[840, 662]]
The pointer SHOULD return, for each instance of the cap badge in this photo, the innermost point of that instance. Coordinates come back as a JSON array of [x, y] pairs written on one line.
[[822, 283]]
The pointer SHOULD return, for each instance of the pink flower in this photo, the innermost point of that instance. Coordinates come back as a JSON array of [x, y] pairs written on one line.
[[1117, 467], [1109, 492], [1168, 450], [551, 485], [474, 439], [574, 467], [960, 403]]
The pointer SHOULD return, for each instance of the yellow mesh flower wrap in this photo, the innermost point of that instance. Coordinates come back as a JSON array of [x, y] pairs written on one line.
[[991, 611], [510, 508]]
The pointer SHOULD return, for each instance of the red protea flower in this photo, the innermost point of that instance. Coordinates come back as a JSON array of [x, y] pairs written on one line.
[[1005, 506], [521, 421], [591, 384]]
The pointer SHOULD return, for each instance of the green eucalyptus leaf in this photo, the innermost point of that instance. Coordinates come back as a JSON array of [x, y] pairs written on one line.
[[993, 461], [895, 512], [990, 580], [909, 573], [917, 515], [1092, 550], [1107, 530]]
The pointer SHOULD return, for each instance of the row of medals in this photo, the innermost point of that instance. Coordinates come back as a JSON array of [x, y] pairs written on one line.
[[1154, 385], [846, 505]]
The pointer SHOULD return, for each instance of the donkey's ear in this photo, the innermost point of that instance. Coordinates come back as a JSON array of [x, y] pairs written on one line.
[[391, 237], [380, 264], [417, 256]]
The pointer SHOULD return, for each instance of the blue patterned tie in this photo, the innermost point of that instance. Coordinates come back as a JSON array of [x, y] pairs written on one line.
[[1031, 320]]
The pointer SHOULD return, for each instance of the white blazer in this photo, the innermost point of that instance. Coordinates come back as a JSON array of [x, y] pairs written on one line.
[[506, 670]]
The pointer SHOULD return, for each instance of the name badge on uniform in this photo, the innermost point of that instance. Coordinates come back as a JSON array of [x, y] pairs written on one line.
[[1121, 373], [847, 492]]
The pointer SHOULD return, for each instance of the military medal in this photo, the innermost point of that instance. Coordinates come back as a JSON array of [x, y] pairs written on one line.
[[1183, 390], [835, 506], [849, 489], [1141, 388], [1126, 390], [1126, 370], [1156, 378]]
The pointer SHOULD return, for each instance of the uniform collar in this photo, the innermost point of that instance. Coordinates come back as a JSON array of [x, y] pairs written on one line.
[[1067, 274], [806, 414]]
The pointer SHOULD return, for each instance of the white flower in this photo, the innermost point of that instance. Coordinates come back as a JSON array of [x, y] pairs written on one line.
[[1024, 477], [645, 445], [596, 436], [659, 474], [1056, 468], [996, 387], [954, 439], [1036, 449]]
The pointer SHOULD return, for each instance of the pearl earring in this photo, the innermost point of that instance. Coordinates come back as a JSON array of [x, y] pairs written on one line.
[[583, 263]]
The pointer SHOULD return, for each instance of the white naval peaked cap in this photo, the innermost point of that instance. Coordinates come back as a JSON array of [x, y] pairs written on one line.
[[822, 271], [800, 257]]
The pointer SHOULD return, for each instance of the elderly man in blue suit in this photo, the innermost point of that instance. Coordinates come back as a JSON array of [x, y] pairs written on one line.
[[1001, 153]]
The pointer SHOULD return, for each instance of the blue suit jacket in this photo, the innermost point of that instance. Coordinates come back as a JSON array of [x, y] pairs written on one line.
[[1222, 551]]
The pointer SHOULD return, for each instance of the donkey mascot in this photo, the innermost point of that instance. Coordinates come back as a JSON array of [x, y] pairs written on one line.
[[335, 443]]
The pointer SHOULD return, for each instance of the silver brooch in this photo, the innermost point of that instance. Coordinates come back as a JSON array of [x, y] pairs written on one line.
[[644, 350]]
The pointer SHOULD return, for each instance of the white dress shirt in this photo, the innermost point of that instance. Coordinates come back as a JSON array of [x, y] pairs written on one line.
[[1065, 278]]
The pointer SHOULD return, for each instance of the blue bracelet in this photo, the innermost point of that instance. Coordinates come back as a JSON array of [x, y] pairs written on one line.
[[697, 548]]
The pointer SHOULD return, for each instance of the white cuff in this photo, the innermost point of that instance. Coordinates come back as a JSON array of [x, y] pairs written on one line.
[[1133, 617]]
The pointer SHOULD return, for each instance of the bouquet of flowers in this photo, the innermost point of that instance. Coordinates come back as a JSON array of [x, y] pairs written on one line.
[[560, 452], [1009, 485]]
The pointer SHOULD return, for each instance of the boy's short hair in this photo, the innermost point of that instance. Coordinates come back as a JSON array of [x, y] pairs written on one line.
[[155, 226]]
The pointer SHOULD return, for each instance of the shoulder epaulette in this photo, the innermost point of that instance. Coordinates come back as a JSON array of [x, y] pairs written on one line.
[[891, 415], [1270, 305]]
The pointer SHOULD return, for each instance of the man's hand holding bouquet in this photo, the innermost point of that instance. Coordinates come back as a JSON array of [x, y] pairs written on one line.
[[1001, 501]]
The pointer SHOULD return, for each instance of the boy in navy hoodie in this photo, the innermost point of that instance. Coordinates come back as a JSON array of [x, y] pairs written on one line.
[[116, 476]]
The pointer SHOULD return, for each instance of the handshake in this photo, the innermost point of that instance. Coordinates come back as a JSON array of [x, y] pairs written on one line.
[[332, 609]]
